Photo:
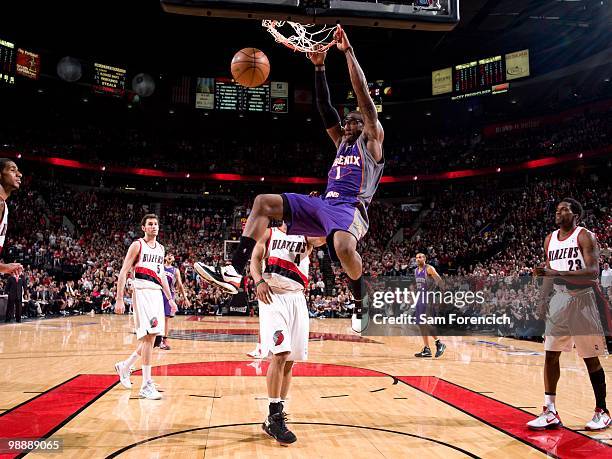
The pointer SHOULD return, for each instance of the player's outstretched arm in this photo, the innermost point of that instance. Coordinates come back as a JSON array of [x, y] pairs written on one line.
[[371, 126], [329, 115]]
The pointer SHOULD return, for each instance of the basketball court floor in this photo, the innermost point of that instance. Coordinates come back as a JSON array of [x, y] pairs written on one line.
[[355, 397]]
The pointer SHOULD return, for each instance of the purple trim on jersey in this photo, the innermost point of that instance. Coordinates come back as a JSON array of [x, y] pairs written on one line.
[[171, 276], [170, 272]]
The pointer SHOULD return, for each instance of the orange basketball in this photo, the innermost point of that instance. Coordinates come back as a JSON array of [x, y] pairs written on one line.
[[250, 67]]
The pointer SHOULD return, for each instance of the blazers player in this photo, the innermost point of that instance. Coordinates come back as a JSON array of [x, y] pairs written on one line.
[[572, 315], [146, 257], [283, 315], [10, 180]]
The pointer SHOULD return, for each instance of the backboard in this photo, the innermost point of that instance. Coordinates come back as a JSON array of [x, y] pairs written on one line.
[[437, 15]]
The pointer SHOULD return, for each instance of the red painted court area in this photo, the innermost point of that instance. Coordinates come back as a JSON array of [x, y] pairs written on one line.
[[46, 413]]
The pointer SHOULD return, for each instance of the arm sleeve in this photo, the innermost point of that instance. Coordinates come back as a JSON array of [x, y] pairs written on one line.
[[328, 112]]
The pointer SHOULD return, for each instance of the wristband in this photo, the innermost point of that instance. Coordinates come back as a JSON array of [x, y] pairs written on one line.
[[259, 282], [320, 68]]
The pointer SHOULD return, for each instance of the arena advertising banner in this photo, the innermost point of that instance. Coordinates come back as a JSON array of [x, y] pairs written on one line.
[[279, 97], [533, 123], [205, 93], [28, 64], [442, 81], [517, 65]]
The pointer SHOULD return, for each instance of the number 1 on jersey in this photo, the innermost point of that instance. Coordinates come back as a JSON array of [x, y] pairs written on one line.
[[338, 173]]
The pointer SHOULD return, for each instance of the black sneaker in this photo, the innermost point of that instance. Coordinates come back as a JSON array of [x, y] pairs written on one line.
[[440, 348], [426, 352], [226, 277], [275, 426]]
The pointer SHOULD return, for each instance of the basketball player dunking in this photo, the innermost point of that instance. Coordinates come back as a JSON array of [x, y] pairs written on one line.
[[173, 275], [283, 315], [146, 257], [10, 181], [572, 315], [341, 214], [422, 272]]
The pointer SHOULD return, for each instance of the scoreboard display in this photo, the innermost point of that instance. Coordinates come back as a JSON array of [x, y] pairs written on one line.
[[481, 77], [230, 95], [225, 94], [7, 63], [109, 80], [378, 90]]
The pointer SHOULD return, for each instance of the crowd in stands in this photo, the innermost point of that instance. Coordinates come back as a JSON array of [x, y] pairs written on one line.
[[295, 153], [73, 244], [73, 239]]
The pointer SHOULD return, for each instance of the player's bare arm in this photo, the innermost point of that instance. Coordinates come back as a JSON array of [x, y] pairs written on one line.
[[371, 126], [315, 242], [547, 284], [431, 272], [330, 116], [181, 289], [128, 263], [264, 294]]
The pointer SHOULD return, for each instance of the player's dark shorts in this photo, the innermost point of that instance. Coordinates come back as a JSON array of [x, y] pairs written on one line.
[[167, 308], [317, 217], [420, 308]]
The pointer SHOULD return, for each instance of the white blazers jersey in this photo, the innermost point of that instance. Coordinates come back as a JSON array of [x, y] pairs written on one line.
[[287, 261], [566, 254], [3, 226], [150, 266]]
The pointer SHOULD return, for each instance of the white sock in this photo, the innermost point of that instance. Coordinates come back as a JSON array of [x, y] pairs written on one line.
[[131, 359], [146, 374], [549, 401], [274, 400]]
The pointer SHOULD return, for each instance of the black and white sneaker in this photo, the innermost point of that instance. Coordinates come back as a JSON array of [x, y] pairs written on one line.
[[275, 426], [440, 348], [426, 352], [226, 277]]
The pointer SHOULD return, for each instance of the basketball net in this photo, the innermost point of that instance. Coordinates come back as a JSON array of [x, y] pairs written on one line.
[[305, 38]]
